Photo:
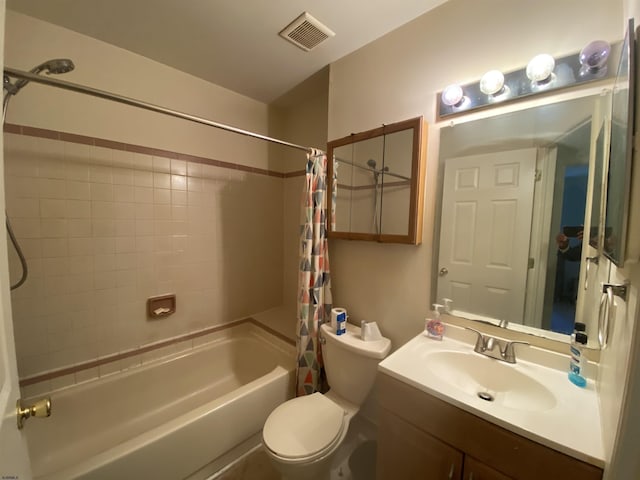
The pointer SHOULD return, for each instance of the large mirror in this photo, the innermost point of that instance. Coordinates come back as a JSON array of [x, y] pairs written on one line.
[[513, 205], [619, 168], [377, 183]]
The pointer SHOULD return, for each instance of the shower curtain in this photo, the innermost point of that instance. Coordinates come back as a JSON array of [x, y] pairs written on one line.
[[314, 280]]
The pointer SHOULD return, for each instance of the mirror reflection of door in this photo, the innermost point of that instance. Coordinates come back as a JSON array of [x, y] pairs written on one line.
[[561, 135], [487, 207]]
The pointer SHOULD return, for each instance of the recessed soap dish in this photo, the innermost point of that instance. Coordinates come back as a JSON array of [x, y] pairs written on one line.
[[161, 305]]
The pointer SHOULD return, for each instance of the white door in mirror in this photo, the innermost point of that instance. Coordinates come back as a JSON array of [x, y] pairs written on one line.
[[485, 232]]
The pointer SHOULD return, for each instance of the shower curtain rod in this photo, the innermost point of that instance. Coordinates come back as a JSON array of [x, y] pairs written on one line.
[[74, 87]]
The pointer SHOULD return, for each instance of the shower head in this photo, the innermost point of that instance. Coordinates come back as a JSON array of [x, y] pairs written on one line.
[[371, 163], [55, 66]]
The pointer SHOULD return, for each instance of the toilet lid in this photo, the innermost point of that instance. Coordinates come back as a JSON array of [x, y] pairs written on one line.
[[303, 426]]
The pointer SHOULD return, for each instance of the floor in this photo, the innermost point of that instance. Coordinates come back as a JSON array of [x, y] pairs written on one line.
[[354, 461]]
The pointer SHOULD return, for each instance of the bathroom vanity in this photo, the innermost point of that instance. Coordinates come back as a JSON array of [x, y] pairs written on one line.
[[433, 425], [421, 436]]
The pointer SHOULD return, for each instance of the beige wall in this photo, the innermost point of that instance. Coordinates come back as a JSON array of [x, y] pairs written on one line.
[[300, 116], [397, 77], [29, 42], [103, 229]]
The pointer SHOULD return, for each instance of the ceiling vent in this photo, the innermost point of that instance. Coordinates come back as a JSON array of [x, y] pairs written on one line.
[[306, 32]]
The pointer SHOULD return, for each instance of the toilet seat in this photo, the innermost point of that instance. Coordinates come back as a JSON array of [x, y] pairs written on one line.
[[304, 428]]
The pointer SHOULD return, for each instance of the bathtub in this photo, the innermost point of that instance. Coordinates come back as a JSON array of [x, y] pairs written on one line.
[[168, 418]]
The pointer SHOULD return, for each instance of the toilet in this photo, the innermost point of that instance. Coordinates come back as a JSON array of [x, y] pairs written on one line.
[[301, 435]]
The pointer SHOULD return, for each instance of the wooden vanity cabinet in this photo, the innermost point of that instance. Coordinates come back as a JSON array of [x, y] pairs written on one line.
[[476, 470], [422, 437], [406, 452]]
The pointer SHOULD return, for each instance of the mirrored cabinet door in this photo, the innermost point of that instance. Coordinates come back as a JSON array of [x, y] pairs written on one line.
[[395, 211], [618, 175], [379, 183]]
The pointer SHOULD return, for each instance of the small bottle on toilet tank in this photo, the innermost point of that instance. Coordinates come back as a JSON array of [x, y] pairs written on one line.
[[341, 323]]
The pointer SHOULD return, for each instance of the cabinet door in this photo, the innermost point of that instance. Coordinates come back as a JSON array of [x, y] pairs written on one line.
[[410, 454], [475, 470]]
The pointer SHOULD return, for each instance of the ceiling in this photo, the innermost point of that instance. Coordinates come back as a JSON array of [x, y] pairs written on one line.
[[232, 43]]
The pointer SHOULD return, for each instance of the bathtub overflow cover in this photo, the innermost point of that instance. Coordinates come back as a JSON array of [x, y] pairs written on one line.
[[486, 396]]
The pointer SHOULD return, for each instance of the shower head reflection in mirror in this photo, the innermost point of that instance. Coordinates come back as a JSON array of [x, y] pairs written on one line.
[[371, 163], [507, 186]]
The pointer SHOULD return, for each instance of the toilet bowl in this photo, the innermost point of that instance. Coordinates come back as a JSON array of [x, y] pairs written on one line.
[[301, 435]]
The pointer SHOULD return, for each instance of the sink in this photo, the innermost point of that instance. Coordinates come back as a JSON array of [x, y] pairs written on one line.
[[532, 398], [490, 380]]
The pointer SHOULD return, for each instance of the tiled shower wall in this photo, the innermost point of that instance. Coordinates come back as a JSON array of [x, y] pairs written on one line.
[[105, 227]]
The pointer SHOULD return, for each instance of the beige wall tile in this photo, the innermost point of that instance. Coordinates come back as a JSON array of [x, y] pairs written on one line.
[[115, 227]]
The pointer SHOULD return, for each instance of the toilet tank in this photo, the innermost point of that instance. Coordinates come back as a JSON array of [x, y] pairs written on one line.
[[351, 363]]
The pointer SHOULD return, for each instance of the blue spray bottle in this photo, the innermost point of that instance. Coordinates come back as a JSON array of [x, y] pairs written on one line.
[[577, 362]]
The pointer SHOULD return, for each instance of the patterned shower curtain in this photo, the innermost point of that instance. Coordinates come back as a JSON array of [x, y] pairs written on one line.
[[314, 279]]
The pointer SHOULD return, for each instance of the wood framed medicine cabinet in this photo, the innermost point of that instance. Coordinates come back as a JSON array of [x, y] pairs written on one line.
[[379, 183]]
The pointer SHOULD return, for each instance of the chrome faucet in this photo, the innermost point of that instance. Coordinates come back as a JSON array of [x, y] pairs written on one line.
[[490, 341], [486, 345]]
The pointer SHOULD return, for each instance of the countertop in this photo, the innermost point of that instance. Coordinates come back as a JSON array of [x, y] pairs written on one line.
[[572, 425]]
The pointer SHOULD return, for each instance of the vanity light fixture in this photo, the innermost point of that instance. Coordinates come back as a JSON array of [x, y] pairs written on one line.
[[540, 69], [543, 73], [453, 95], [492, 83], [593, 58]]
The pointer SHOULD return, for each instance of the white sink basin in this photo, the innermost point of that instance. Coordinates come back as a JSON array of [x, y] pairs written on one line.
[[490, 380], [533, 397]]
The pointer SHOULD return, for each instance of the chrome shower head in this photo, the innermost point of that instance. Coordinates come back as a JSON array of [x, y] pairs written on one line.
[[55, 66], [371, 163]]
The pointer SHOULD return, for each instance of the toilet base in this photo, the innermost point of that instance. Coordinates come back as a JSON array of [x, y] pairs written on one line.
[[316, 470]]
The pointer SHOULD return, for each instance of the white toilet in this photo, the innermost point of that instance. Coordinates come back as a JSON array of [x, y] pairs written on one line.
[[301, 435]]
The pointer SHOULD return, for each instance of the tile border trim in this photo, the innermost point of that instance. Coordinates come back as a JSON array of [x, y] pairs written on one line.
[[128, 147]]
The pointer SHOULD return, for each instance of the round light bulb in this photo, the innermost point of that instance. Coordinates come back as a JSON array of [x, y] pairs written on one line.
[[540, 68], [492, 82], [594, 56], [452, 95]]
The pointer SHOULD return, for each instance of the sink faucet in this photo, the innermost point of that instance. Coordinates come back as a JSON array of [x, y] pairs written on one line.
[[490, 342], [486, 345]]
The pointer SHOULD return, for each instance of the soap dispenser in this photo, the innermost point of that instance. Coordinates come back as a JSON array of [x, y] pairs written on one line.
[[433, 326]]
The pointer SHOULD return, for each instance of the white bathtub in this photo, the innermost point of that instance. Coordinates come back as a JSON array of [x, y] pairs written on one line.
[[167, 419]]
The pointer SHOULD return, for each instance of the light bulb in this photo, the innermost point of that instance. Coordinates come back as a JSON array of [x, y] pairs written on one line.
[[453, 95], [593, 58], [492, 82], [540, 68], [595, 54]]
